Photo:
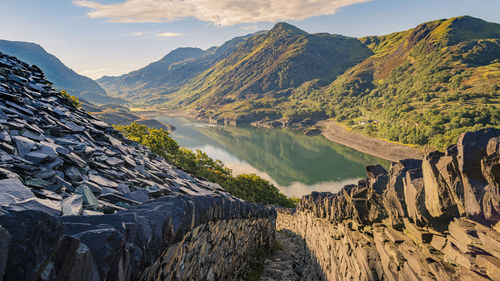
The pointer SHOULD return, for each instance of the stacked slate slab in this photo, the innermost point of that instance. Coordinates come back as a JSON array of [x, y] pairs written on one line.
[[78, 201], [431, 219], [58, 159]]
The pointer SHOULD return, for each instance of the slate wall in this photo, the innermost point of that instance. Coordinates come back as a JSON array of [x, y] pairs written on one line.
[[436, 219], [178, 237]]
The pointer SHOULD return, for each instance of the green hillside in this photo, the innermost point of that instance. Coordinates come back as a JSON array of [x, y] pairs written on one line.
[[55, 71], [422, 86]]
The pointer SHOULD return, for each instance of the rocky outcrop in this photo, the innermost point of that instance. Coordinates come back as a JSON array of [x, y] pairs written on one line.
[[80, 202], [431, 219]]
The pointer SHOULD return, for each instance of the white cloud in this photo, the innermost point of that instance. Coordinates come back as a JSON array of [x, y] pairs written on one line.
[[219, 12], [137, 33], [168, 34]]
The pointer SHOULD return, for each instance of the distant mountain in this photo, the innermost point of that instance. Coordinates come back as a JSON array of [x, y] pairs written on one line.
[[422, 86], [62, 76], [153, 82]]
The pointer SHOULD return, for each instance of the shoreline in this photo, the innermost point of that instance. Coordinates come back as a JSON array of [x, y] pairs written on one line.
[[334, 132], [370, 145]]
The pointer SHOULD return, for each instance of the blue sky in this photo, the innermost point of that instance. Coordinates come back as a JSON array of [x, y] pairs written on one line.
[[98, 38]]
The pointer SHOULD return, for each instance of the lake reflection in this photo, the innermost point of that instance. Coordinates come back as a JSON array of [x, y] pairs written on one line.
[[295, 163]]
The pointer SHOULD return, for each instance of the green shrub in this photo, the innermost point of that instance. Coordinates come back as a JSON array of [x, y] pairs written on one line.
[[247, 186], [72, 99]]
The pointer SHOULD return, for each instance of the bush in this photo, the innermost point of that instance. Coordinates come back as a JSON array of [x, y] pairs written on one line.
[[247, 186], [72, 99]]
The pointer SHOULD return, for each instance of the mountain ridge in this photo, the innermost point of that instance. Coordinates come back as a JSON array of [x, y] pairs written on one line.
[[392, 81], [62, 76]]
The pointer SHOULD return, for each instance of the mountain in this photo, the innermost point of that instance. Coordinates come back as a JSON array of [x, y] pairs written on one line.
[[153, 82], [423, 86], [62, 76], [426, 85]]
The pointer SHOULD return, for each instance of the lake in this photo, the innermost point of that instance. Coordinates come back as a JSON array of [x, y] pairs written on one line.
[[295, 163]]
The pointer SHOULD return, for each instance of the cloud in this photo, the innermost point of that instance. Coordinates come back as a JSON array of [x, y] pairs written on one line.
[[168, 34], [137, 33], [219, 12]]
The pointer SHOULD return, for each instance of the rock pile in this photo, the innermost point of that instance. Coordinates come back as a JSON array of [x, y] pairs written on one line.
[[80, 202], [431, 219], [59, 159]]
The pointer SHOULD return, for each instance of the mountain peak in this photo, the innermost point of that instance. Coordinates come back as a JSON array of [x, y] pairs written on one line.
[[286, 28], [183, 53]]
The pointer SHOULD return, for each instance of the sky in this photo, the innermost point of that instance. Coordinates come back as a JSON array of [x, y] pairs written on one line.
[[113, 37]]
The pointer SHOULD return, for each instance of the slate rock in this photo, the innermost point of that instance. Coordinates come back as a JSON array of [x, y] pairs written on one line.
[[73, 174], [24, 145], [4, 249], [72, 205], [13, 191], [439, 199], [32, 243], [36, 157], [471, 149], [50, 207], [88, 197]]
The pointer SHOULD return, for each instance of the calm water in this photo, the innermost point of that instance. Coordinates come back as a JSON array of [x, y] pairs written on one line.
[[295, 163]]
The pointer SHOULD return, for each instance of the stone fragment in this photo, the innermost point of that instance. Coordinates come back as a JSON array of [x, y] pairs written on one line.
[[88, 197], [490, 265], [438, 242], [24, 145], [418, 234], [138, 195], [102, 181], [36, 157], [50, 207], [74, 127], [73, 174], [394, 235], [415, 197], [113, 161], [13, 191], [72, 205]]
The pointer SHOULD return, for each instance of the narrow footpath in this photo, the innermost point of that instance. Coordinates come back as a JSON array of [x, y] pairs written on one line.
[[288, 263]]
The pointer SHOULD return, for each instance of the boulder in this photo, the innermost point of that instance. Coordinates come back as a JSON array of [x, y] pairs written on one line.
[[438, 199], [34, 240], [415, 197], [394, 196], [472, 147]]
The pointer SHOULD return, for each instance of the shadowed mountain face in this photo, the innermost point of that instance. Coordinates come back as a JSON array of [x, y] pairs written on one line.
[[426, 85], [62, 76]]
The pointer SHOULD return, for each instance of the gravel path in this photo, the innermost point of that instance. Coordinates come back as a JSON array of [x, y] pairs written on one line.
[[289, 263]]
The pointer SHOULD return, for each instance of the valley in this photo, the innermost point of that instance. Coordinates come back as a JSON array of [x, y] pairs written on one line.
[[424, 86]]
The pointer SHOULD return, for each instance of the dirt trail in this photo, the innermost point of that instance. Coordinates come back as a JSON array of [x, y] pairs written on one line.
[[377, 147], [288, 263]]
